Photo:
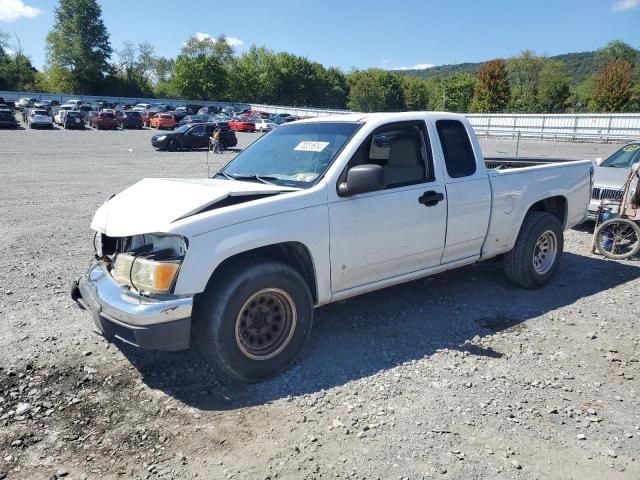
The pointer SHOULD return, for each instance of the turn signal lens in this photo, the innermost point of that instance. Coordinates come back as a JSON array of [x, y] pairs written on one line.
[[148, 276]]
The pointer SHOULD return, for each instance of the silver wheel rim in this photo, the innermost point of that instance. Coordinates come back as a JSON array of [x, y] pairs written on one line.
[[265, 324], [545, 252]]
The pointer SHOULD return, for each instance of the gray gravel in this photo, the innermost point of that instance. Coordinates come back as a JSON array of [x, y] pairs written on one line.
[[455, 376]]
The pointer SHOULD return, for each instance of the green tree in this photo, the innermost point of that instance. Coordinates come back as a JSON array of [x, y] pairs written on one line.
[[375, 90], [554, 87], [491, 92], [616, 50], [614, 86], [16, 70], [524, 78], [453, 93], [79, 44], [202, 69], [416, 93]]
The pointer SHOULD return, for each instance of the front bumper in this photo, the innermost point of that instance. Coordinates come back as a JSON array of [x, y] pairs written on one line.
[[137, 320]]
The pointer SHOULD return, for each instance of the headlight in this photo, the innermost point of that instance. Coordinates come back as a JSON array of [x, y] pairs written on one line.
[[148, 276], [161, 138]]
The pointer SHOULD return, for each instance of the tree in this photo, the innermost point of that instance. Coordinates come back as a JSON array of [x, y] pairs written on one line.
[[554, 88], [202, 69], [375, 90], [79, 44], [416, 93], [16, 70], [613, 88], [616, 50], [491, 92], [524, 78], [453, 93]]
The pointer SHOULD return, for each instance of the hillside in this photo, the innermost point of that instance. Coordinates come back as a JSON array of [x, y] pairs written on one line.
[[579, 65]]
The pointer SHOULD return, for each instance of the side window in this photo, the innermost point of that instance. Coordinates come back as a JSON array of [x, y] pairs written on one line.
[[402, 152], [458, 154], [197, 130]]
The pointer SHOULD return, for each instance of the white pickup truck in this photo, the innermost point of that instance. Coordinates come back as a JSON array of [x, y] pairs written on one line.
[[314, 212]]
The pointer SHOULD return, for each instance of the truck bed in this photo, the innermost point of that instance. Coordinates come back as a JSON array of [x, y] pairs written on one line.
[[505, 163]]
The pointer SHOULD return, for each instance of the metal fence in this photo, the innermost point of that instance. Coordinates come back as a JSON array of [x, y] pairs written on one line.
[[564, 126]]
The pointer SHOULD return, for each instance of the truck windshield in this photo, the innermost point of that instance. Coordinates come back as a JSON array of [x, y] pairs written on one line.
[[292, 155]]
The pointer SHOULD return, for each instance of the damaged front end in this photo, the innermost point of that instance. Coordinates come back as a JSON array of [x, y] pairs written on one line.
[[148, 264], [128, 291]]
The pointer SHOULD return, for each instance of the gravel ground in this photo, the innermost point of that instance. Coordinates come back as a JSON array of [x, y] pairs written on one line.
[[456, 376]]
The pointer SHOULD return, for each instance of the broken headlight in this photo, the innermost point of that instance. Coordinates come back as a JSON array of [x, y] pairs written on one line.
[[144, 274]]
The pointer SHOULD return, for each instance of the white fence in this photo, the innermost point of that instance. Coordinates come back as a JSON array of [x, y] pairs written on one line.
[[568, 126], [580, 126]]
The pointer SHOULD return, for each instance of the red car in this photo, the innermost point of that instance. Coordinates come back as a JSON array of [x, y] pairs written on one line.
[[148, 115], [241, 125], [104, 120]]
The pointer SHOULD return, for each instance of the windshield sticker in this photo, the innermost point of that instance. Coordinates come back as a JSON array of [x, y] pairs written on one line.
[[631, 148], [311, 146]]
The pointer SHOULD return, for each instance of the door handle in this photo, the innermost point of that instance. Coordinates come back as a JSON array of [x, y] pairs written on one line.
[[431, 198]]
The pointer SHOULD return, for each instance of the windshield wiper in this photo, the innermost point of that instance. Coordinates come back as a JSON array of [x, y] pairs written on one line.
[[228, 177], [250, 178]]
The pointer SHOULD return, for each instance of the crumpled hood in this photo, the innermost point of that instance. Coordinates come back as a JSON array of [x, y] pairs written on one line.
[[152, 204], [610, 177]]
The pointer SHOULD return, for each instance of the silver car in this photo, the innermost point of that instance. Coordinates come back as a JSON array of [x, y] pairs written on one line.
[[610, 176]]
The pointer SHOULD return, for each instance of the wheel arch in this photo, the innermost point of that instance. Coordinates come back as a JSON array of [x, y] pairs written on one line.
[[294, 254]]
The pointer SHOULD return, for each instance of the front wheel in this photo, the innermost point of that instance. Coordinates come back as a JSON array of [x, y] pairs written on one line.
[[535, 256], [253, 319], [618, 238], [172, 145]]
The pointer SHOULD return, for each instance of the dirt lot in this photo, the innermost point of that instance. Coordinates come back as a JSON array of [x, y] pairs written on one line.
[[457, 376]]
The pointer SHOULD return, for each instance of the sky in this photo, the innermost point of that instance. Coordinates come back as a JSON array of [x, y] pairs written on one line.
[[352, 33]]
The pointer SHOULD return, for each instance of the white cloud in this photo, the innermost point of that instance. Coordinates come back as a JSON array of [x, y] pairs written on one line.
[[233, 41], [9, 52], [11, 10], [624, 5], [419, 66]]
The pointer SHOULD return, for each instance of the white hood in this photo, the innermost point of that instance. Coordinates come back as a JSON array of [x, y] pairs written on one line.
[[152, 204]]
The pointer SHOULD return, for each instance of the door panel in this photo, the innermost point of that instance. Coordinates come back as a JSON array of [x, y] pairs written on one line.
[[469, 204], [384, 234]]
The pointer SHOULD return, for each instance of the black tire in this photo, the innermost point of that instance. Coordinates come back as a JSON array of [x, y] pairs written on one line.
[[222, 335], [520, 264], [172, 145]]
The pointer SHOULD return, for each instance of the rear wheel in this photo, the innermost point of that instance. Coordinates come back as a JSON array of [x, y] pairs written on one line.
[[253, 319], [618, 238], [535, 256]]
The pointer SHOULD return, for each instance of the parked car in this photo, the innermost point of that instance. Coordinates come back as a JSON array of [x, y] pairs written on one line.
[[147, 115], [163, 121], [85, 111], [193, 136], [7, 119], [43, 105], [241, 125], [72, 119], [264, 125], [208, 110], [313, 213], [130, 119], [24, 102], [103, 120], [59, 115], [610, 175], [142, 107], [38, 118], [74, 102], [190, 119]]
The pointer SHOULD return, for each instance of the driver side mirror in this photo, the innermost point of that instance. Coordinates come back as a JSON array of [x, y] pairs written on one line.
[[598, 161], [362, 179]]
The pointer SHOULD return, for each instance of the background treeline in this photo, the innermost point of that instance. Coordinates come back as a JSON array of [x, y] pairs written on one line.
[[81, 60]]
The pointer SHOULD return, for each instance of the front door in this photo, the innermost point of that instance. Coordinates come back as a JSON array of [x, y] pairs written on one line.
[[397, 230]]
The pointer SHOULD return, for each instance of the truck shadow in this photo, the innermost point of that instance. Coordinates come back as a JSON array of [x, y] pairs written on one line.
[[356, 338]]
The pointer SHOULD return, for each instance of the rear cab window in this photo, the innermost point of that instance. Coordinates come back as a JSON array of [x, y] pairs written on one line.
[[459, 158]]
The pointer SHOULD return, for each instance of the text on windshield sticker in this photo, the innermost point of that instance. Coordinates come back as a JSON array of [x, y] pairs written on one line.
[[311, 146]]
